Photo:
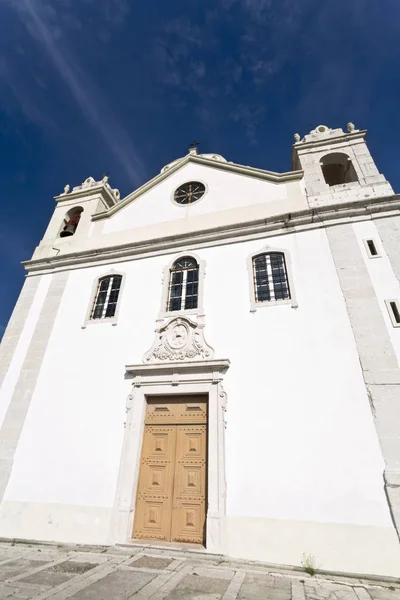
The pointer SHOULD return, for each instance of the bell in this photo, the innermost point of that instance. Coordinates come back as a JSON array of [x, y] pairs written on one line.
[[68, 230]]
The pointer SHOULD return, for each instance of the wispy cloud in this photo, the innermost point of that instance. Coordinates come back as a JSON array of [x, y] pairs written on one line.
[[41, 21], [250, 117]]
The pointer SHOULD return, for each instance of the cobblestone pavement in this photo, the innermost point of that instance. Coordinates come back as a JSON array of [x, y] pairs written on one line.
[[113, 573]]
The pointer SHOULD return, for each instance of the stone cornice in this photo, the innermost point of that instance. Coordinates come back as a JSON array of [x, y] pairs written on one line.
[[223, 166], [328, 141], [276, 225], [206, 371], [101, 190]]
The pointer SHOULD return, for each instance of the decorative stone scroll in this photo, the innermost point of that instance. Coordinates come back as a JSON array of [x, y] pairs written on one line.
[[179, 340]]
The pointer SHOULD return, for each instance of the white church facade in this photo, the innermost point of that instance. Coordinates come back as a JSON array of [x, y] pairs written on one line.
[[213, 360]]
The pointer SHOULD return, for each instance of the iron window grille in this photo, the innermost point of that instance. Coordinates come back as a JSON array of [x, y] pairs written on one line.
[[270, 277], [189, 192], [183, 289], [106, 298]]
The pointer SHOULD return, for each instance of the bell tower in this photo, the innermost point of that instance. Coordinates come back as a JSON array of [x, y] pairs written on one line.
[[71, 220], [338, 166]]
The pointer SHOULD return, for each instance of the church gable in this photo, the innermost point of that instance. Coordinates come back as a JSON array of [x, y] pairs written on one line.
[[195, 190]]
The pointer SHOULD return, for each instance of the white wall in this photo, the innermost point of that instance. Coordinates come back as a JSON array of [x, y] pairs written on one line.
[[300, 440]]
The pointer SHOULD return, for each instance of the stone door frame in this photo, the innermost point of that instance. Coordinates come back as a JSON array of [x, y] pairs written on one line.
[[173, 379]]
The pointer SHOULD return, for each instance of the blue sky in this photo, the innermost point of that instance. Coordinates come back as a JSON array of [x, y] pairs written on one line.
[[89, 87]]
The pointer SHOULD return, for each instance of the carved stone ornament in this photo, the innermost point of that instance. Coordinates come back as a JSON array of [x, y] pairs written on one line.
[[88, 183], [179, 340]]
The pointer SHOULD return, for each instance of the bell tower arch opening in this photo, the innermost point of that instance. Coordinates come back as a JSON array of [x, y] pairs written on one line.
[[71, 221], [338, 168]]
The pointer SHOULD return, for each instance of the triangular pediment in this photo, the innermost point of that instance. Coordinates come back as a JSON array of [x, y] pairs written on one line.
[[180, 164]]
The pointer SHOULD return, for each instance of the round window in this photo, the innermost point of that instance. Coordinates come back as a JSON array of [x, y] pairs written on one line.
[[189, 192]]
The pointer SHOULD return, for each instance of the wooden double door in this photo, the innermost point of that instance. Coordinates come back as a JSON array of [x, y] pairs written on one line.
[[172, 490]]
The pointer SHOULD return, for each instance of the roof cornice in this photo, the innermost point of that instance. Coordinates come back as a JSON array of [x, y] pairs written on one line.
[[276, 225], [317, 143], [223, 166], [100, 190]]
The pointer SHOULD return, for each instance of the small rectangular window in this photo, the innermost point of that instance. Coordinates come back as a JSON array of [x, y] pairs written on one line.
[[372, 250], [394, 311]]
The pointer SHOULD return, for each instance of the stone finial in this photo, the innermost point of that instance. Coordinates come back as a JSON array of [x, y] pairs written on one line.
[[296, 137], [105, 179], [67, 189], [350, 127]]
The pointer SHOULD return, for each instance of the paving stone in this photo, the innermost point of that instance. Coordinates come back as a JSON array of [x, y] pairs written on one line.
[[6, 590], [88, 573], [267, 580], [252, 591], [119, 585], [196, 587], [214, 572], [151, 562], [325, 590], [384, 594], [18, 567], [47, 577], [192, 595], [73, 567]]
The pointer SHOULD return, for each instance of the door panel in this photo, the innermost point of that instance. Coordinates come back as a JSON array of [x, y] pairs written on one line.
[[188, 409], [188, 514], [193, 410], [154, 499]]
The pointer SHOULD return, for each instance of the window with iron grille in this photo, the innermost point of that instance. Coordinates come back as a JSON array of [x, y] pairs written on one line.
[[183, 289], [106, 298], [270, 277]]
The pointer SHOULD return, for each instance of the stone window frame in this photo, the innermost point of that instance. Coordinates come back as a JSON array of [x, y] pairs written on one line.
[[110, 320], [254, 305], [176, 204], [390, 310], [368, 251], [199, 311]]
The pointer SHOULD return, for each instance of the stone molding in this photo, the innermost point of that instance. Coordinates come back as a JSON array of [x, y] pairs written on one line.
[[179, 340], [162, 379], [314, 218], [176, 373]]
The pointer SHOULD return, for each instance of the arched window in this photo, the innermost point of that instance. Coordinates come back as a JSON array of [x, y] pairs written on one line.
[[337, 168], [106, 297], [270, 277], [71, 221], [183, 289]]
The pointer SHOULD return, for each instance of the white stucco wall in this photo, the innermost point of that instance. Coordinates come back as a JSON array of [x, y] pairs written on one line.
[[301, 450]]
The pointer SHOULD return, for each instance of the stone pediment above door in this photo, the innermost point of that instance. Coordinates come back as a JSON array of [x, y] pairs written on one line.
[[179, 340]]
